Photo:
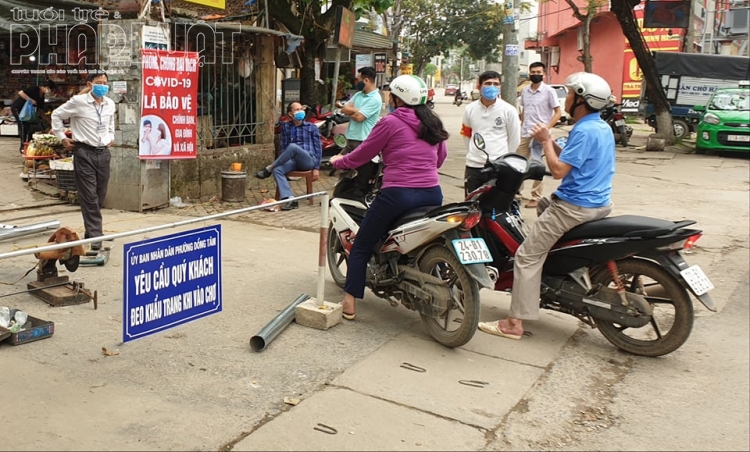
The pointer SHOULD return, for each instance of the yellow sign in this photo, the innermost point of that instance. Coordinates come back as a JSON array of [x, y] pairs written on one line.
[[220, 4], [406, 69]]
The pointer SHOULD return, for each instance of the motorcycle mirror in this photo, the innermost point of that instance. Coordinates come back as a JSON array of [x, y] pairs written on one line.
[[340, 140], [481, 145]]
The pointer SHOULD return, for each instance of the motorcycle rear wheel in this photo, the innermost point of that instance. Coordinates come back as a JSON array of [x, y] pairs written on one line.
[[336, 257], [442, 263], [671, 304], [623, 136]]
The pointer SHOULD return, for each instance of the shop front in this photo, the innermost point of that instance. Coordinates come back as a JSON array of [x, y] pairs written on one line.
[[230, 107]]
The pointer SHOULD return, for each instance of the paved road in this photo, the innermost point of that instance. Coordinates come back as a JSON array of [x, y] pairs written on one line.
[[199, 386]]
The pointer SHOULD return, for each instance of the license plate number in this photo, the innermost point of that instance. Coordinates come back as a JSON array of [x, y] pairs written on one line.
[[697, 280], [743, 138], [472, 251], [619, 123]]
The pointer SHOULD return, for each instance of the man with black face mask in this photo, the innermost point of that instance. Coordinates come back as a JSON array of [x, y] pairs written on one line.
[[363, 109], [540, 106]]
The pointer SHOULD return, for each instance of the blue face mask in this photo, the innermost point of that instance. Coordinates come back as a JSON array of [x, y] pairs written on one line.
[[299, 115], [99, 90], [490, 92]]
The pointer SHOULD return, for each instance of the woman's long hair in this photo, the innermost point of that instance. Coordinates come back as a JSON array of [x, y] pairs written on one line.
[[431, 128], [163, 131]]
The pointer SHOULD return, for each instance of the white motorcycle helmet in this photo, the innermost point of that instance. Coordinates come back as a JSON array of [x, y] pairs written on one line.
[[594, 89], [410, 89]]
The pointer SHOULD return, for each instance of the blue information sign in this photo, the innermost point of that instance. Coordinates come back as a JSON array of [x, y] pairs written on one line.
[[171, 280]]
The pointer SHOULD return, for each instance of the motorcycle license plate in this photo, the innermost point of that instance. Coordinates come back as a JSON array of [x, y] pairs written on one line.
[[619, 122], [472, 251], [697, 280]]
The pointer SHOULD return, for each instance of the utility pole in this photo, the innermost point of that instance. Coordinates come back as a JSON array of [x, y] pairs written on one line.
[[510, 53]]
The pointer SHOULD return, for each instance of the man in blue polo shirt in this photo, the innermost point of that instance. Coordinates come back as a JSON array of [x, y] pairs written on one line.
[[363, 109], [586, 167]]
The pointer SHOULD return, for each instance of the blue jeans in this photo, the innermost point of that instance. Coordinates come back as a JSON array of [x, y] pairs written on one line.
[[294, 158], [390, 204]]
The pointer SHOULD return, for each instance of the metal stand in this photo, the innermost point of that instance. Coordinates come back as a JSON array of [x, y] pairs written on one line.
[[57, 290]]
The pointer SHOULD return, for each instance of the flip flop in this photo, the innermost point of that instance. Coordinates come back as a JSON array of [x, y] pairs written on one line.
[[491, 328], [348, 316]]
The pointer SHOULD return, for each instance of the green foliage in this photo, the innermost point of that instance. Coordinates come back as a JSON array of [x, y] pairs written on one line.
[[429, 70], [432, 27]]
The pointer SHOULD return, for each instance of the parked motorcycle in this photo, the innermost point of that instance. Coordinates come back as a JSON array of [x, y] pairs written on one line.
[[624, 275], [429, 261], [430, 98], [616, 120]]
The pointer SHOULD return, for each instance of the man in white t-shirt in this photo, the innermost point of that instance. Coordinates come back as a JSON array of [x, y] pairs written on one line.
[[498, 123], [539, 106]]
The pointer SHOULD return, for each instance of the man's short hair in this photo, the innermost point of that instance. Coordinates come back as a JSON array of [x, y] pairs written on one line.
[[368, 72], [289, 106], [486, 75], [94, 74], [49, 84], [147, 122], [538, 64]]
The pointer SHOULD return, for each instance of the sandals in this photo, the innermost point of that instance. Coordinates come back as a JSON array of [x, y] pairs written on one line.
[[491, 328], [348, 316]]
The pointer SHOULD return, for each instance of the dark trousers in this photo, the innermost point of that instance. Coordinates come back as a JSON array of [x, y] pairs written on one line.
[[92, 176], [25, 129], [350, 146], [473, 179], [390, 204]]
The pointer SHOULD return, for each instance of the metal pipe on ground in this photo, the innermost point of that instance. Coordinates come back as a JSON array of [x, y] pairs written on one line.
[[8, 231], [269, 332]]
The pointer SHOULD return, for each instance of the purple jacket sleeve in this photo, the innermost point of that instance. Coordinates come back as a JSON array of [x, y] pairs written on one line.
[[442, 153], [369, 148]]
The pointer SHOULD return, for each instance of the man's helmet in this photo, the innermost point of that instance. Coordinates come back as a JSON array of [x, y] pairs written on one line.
[[594, 89], [410, 89]]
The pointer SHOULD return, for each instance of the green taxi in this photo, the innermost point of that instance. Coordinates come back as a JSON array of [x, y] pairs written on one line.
[[725, 121]]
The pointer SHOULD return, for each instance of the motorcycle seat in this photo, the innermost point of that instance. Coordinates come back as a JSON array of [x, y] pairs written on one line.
[[422, 212], [624, 226]]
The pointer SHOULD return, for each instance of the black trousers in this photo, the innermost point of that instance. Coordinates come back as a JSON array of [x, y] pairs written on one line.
[[92, 177], [25, 129]]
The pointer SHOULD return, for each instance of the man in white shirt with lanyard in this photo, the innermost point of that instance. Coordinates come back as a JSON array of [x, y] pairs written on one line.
[[540, 106], [92, 123], [498, 123]]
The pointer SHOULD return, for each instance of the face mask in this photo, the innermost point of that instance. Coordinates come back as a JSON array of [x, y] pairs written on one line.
[[299, 115], [359, 86], [536, 78], [391, 108], [99, 90], [490, 92]]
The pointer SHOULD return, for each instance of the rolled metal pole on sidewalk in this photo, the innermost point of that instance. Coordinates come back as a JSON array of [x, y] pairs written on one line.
[[269, 332], [8, 231], [322, 253]]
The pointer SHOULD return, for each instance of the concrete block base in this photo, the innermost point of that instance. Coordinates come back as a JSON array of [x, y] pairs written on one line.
[[323, 317]]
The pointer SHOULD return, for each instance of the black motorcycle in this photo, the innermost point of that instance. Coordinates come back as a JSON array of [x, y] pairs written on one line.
[[616, 120]]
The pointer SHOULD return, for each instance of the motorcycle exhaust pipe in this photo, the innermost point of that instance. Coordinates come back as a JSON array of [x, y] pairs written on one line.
[[269, 332]]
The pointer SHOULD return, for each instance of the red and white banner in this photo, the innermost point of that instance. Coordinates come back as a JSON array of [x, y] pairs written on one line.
[[168, 109]]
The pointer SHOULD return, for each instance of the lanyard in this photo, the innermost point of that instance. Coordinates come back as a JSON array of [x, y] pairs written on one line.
[[99, 112]]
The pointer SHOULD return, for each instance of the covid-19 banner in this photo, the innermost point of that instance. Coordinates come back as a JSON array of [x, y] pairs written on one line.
[[168, 108]]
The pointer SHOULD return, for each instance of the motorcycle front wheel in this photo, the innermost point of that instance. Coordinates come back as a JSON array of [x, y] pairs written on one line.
[[337, 258], [672, 319], [457, 325]]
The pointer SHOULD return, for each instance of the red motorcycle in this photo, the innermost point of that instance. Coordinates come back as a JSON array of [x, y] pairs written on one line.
[[624, 275]]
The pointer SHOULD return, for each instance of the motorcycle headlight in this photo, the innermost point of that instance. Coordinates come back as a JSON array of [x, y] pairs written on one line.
[[711, 118]]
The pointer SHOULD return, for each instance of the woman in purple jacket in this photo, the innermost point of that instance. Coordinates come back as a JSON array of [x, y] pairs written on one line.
[[411, 140]]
